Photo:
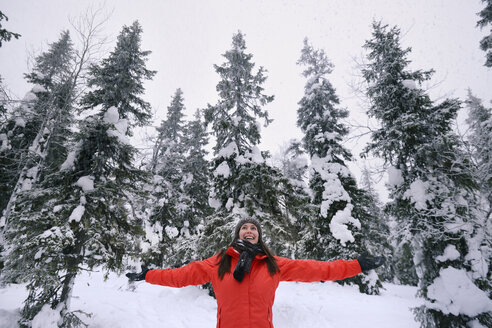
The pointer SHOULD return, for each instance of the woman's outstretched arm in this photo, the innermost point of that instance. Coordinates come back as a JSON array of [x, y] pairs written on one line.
[[311, 270], [195, 273]]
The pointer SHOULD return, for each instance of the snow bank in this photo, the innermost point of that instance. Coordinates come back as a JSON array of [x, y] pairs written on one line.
[[46, 318], [455, 293], [116, 304], [11, 298]]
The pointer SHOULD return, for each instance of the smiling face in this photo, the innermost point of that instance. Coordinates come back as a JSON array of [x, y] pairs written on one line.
[[249, 232]]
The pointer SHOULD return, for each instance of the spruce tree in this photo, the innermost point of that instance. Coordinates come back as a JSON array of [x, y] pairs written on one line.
[[169, 133], [36, 134], [181, 185], [480, 141], [196, 187], [243, 184], [80, 216], [299, 209], [336, 227], [486, 42], [34, 130], [376, 229], [432, 190]]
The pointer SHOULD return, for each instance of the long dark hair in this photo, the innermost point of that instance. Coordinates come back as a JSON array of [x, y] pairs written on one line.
[[224, 259]]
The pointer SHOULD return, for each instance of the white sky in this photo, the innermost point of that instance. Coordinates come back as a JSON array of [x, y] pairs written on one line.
[[187, 37]]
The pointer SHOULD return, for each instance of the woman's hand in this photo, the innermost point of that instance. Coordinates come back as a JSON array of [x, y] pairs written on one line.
[[134, 276], [368, 262]]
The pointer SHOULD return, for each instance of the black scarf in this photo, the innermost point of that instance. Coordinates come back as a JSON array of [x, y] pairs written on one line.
[[248, 253]]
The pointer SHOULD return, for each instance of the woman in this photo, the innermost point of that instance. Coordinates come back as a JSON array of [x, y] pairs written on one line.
[[245, 296]]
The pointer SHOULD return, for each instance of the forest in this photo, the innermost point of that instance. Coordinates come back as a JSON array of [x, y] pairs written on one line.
[[77, 194]]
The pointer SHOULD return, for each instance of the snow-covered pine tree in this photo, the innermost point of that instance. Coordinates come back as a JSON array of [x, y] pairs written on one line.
[[335, 228], [480, 141], [243, 184], [81, 216], [376, 228], [293, 163], [171, 217], [196, 187], [169, 133], [35, 133], [432, 190], [486, 42], [31, 131]]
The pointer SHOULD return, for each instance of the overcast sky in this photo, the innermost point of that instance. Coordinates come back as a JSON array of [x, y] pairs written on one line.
[[187, 37]]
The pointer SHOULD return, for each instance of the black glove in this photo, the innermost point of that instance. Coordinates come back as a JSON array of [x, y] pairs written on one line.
[[137, 276], [368, 262]]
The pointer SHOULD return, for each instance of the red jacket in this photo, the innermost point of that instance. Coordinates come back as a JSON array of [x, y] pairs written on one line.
[[248, 304]]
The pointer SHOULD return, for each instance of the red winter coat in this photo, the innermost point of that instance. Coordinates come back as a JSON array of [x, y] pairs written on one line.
[[248, 304]]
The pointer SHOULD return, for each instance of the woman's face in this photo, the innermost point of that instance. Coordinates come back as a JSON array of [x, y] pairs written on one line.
[[249, 232]]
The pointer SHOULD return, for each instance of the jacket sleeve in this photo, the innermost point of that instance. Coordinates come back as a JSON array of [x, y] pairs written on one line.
[[195, 273], [311, 270]]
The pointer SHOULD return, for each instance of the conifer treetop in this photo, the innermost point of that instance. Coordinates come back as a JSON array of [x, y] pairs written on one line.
[[54, 64], [118, 80], [315, 61], [407, 115], [241, 100], [319, 113]]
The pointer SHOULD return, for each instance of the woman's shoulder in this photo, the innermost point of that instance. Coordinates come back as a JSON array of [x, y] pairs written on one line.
[[280, 259]]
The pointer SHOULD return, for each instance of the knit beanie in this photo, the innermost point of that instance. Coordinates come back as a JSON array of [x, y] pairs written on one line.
[[247, 220]]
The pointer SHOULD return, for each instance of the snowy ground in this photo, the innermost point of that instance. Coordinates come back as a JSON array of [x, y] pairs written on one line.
[[114, 304]]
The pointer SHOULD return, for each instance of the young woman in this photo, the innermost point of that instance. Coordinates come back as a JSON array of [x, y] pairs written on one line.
[[245, 296]]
